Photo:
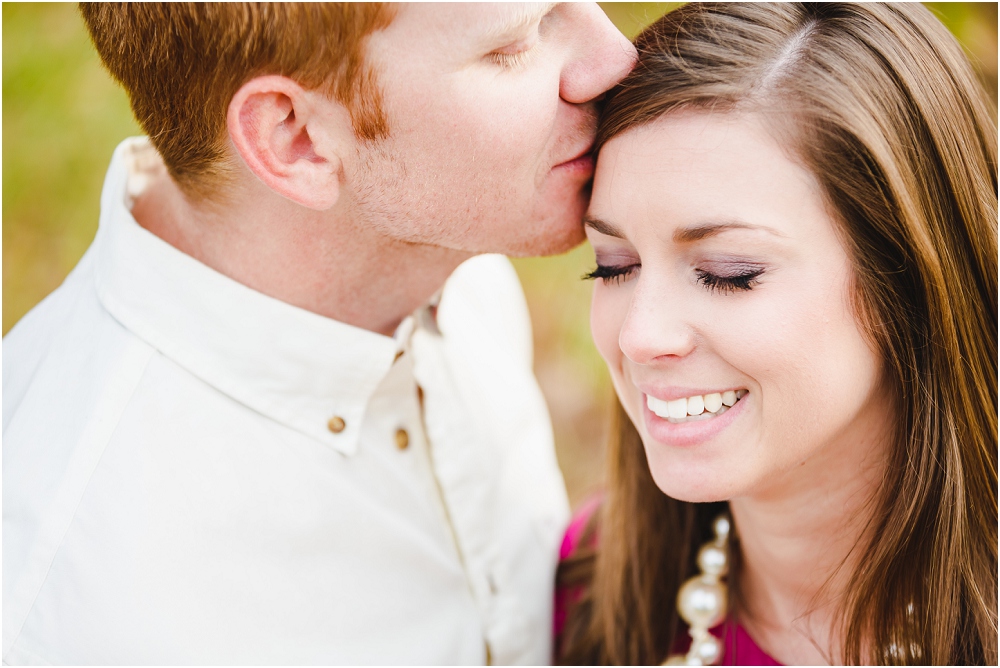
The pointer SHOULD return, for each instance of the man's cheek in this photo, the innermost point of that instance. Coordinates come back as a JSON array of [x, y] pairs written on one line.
[[520, 121]]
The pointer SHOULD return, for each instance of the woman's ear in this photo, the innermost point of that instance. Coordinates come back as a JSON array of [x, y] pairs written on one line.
[[285, 140]]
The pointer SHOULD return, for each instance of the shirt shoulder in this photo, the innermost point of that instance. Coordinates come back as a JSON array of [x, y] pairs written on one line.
[[69, 371], [60, 346], [483, 298], [27, 343]]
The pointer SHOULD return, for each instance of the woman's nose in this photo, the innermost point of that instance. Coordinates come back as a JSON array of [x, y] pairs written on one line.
[[655, 328]]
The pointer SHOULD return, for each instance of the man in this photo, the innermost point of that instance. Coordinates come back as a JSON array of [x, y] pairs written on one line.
[[255, 424]]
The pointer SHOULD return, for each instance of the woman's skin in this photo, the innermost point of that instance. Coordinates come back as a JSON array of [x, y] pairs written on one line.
[[721, 269]]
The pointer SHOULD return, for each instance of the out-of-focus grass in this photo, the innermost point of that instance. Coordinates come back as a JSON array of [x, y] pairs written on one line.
[[975, 26], [62, 117]]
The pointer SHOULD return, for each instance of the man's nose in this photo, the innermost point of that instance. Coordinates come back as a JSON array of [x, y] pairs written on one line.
[[602, 56], [655, 328]]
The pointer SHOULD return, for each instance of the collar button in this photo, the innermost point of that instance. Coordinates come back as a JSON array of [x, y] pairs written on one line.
[[402, 439], [336, 424]]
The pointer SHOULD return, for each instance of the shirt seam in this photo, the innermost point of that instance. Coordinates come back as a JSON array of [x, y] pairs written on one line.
[[132, 364]]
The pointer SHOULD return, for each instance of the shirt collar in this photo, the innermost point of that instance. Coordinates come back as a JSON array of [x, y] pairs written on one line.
[[294, 366]]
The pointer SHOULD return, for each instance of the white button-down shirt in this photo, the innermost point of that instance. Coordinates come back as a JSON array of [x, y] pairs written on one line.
[[176, 489]]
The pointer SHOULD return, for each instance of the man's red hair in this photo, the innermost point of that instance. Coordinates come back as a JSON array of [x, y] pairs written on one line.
[[181, 64]]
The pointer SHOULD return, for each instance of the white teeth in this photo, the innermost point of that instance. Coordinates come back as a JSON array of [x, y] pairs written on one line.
[[694, 408], [677, 408]]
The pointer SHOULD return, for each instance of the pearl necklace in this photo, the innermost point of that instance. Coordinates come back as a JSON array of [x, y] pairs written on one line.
[[702, 600]]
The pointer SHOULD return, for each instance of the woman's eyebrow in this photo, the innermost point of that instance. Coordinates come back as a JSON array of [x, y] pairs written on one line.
[[698, 232], [602, 227]]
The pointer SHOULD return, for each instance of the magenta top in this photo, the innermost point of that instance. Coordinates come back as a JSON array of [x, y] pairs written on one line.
[[739, 649]]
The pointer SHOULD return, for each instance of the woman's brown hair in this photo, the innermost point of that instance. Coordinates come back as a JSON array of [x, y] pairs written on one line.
[[882, 105]]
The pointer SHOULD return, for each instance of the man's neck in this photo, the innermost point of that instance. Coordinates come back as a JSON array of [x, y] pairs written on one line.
[[319, 261]]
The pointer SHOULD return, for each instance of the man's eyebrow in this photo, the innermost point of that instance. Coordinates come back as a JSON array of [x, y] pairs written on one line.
[[511, 25], [603, 227], [698, 232]]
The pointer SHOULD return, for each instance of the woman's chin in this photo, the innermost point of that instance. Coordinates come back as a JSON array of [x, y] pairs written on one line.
[[689, 494], [694, 482]]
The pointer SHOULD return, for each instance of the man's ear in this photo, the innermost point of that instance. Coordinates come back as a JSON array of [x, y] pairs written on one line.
[[287, 140]]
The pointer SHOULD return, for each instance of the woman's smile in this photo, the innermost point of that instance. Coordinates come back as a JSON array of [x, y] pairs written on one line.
[[693, 420], [695, 407]]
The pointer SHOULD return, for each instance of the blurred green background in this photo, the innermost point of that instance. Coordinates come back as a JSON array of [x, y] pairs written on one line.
[[63, 116]]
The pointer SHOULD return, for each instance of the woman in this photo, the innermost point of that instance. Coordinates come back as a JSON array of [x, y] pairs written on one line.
[[794, 221]]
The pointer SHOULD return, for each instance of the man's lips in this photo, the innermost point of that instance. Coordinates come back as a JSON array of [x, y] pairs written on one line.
[[583, 156]]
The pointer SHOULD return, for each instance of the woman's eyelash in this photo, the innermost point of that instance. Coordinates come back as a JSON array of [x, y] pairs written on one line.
[[610, 274], [729, 284]]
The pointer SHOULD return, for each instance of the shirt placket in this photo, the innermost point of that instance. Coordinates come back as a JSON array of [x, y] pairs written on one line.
[[461, 465]]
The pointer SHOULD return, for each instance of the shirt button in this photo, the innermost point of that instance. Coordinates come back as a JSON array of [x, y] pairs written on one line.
[[336, 424], [402, 439]]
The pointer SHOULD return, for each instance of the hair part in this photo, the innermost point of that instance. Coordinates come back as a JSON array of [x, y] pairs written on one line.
[[881, 104], [181, 64]]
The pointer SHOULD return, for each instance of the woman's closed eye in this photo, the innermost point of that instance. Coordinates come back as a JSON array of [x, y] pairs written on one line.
[[612, 273], [727, 284]]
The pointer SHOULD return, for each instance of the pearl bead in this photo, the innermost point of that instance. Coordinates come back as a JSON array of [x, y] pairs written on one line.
[[707, 649], [712, 559], [702, 602], [721, 527]]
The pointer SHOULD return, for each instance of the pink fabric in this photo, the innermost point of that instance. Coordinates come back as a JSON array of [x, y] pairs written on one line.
[[739, 649], [566, 596]]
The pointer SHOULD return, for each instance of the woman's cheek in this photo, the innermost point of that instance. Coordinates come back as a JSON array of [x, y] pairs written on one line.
[[608, 308]]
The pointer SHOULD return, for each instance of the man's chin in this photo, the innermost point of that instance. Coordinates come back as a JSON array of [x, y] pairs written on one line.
[[552, 241], [555, 231]]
